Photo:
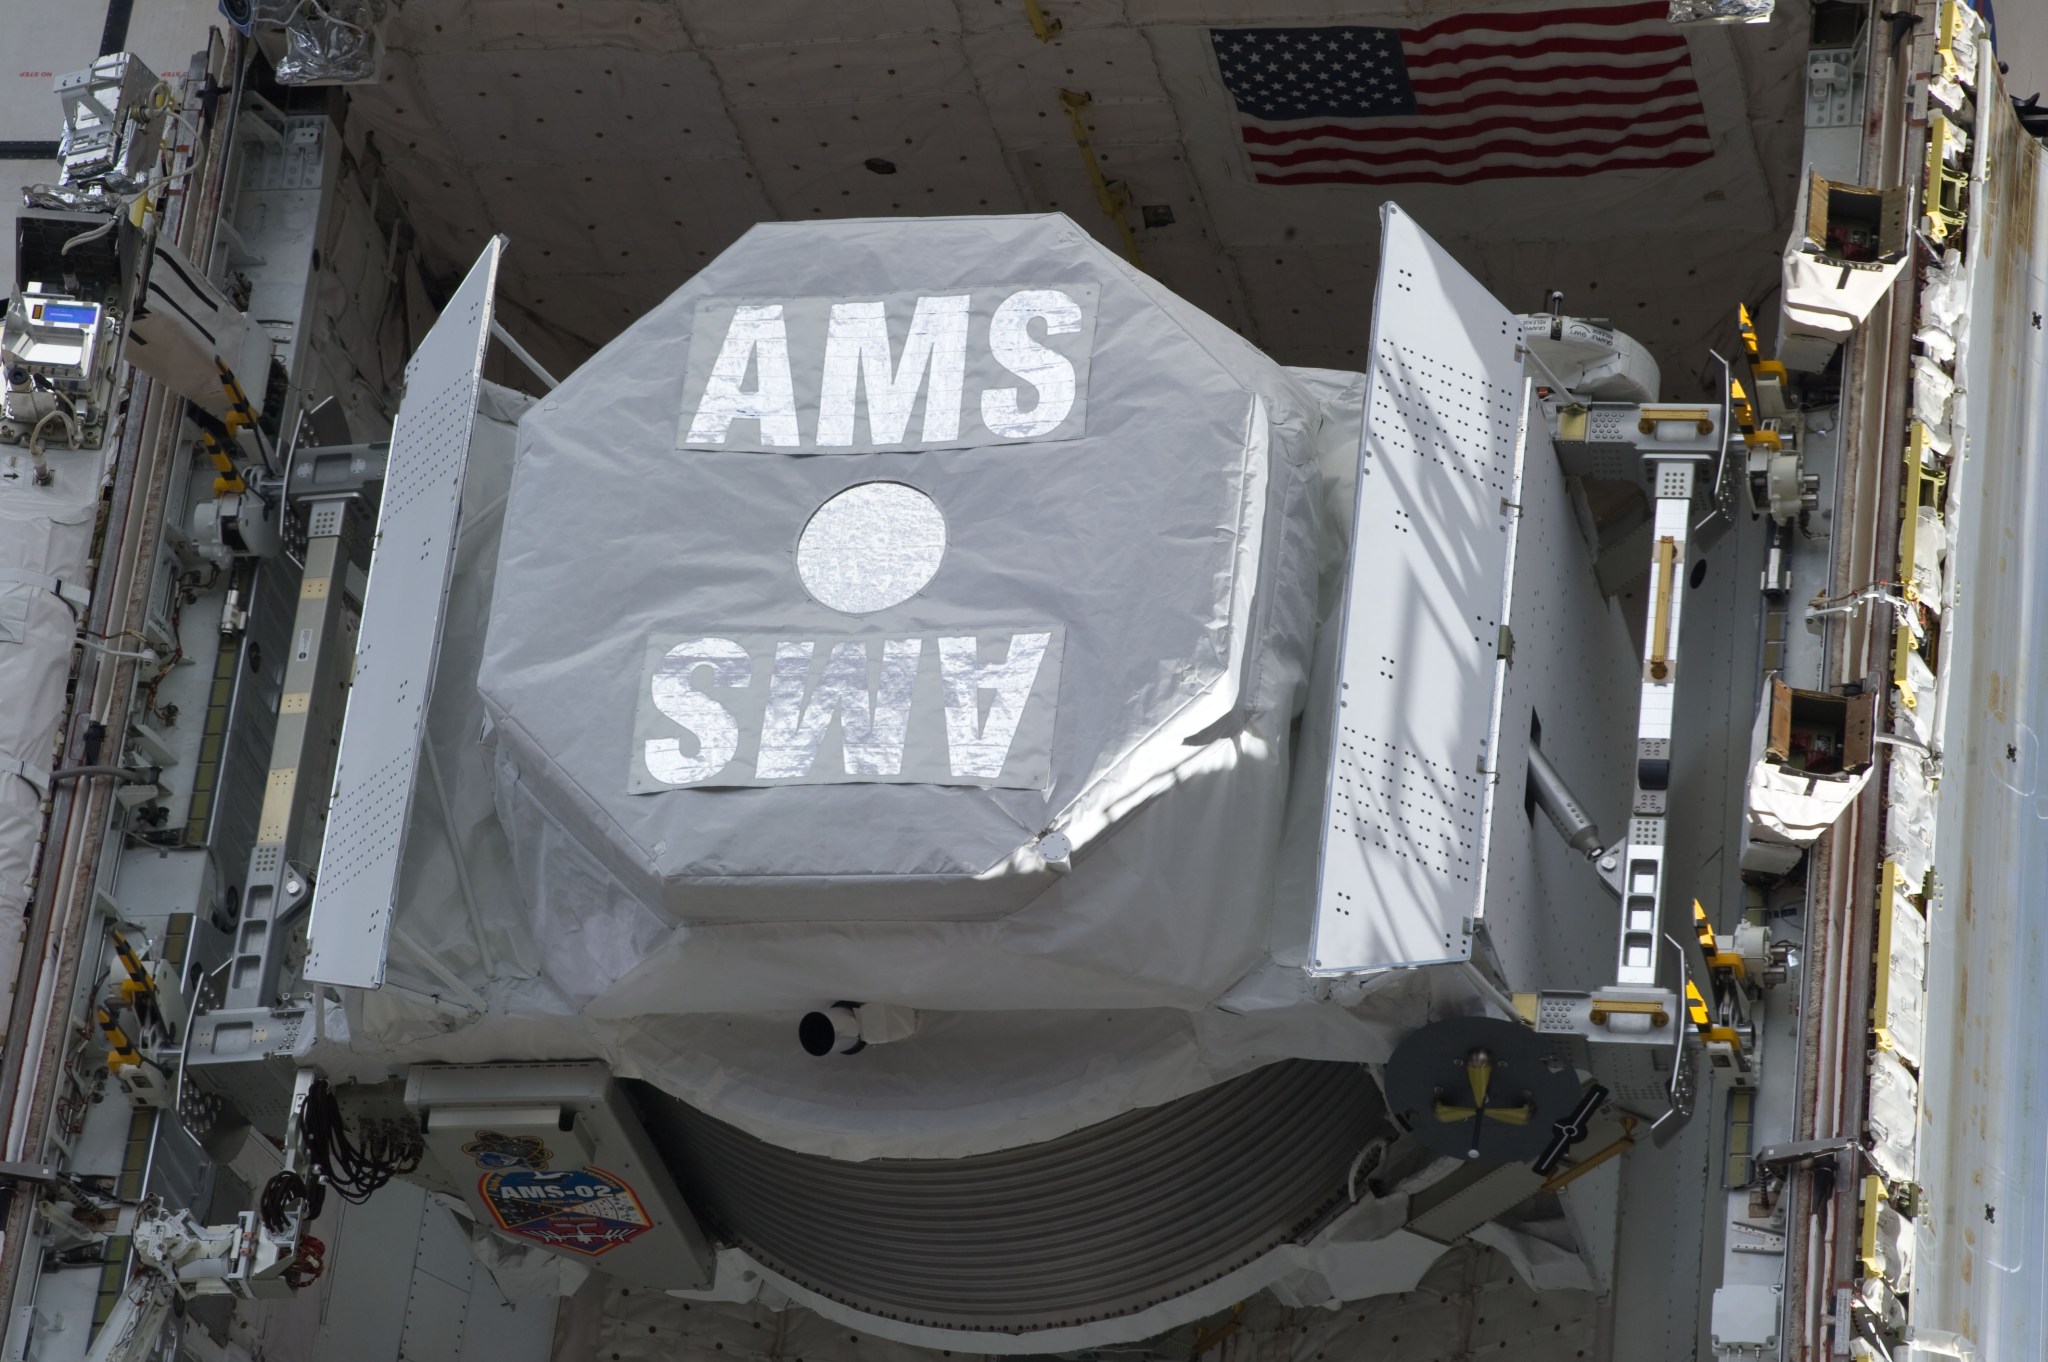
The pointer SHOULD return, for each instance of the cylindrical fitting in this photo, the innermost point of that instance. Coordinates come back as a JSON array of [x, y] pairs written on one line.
[[1555, 798], [835, 1030]]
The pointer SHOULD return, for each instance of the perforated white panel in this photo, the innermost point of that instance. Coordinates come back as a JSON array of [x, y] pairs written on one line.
[[1405, 816], [400, 640]]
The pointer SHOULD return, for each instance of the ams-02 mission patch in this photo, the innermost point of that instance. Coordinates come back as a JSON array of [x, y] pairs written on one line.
[[581, 1210]]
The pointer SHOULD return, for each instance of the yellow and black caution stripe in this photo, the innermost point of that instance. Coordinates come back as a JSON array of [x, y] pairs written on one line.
[[121, 1052], [240, 414], [218, 440]]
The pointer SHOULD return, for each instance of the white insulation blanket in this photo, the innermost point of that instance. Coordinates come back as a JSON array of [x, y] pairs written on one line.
[[1161, 958], [45, 541]]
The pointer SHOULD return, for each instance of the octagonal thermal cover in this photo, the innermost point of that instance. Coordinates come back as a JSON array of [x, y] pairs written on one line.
[[888, 566]]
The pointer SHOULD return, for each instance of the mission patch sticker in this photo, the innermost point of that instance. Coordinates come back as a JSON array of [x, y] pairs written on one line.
[[493, 1150], [583, 1210]]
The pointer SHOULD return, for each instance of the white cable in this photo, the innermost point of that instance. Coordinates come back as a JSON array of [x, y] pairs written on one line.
[[331, 18], [127, 206], [92, 233], [1854, 602], [280, 23], [35, 439], [146, 655]]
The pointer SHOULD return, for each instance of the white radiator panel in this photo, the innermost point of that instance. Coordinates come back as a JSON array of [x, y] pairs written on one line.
[[1404, 836], [400, 640]]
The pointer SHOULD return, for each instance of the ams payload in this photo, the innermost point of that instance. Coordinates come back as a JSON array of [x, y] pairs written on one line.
[[934, 645]]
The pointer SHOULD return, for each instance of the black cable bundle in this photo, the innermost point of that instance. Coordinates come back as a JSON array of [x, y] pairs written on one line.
[[389, 1148], [332, 1159], [282, 1194]]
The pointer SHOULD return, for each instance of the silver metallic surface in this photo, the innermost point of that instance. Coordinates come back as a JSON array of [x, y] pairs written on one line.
[[872, 728], [111, 131], [1722, 11], [879, 750], [1009, 339], [335, 43], [756, 340], [981, 747], [871, 546], [857, 350], [718, 734], [838, 709], [1557, 801], [850, 373]]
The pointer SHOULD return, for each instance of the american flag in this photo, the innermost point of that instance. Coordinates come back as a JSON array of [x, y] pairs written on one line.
[[1473, 97]]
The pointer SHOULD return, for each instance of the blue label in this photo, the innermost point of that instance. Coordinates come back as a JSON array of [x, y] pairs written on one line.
[[81, 314]]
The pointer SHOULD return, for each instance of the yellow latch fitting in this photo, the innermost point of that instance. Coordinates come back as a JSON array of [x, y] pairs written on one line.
[[1696, 1007], [1660, 628], [1603, 1008], [1701, 417], [1745, 410]]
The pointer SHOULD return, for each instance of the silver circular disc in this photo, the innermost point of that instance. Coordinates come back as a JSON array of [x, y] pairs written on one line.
[[871, 546]]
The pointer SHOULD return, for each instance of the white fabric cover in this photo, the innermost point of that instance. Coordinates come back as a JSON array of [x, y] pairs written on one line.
[[544, 982], [45, 533], [1787, 806], [1187, 618]]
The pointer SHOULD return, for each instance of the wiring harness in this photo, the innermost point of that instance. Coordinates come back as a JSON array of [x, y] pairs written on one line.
[[389, 1148]]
